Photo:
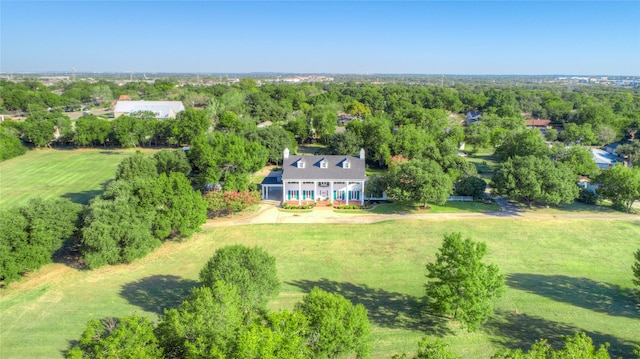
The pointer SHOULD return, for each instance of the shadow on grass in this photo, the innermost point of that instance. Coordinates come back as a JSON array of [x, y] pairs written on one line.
[[69, 255], [85, 196], [518, 330], [581, 292], [386, 309], [82, 197], [158, 292]]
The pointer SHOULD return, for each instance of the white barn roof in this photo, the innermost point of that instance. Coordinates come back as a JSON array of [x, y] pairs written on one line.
[[162, 109]]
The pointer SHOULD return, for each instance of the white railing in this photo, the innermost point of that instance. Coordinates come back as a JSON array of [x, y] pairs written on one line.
[[460, 198]]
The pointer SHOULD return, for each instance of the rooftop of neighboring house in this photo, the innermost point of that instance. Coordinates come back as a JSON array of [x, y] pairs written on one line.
[[536, 122]]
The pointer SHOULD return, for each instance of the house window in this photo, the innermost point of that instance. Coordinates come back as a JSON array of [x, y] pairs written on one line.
[[324, 164], [291, 194], [338, 182], [339, 195], [346, 164], [354, 195], [301, 163], [307, 194], [323, 184]]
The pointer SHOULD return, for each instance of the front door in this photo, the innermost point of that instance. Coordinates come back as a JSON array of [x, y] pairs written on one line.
[[324, 194]]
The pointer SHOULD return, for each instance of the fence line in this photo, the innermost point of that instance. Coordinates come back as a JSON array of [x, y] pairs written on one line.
[[460, 198]]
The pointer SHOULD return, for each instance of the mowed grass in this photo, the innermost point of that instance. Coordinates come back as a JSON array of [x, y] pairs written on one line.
[[78, 174], [562, 276]]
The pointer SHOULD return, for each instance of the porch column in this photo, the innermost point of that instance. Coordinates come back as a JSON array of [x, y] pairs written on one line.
[[299, 192], [315, 190], [346, 194], [331, 192], [362, 194], [284, 191]]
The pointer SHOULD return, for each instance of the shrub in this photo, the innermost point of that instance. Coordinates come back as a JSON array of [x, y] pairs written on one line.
[[228, 202], [587, 196]]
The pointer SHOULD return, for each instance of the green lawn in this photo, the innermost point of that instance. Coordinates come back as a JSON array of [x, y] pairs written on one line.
[[562, 276], [75, 174], [486, 164], [449, 207]]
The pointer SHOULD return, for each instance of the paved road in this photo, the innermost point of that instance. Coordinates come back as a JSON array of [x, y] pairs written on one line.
[[269, 213]]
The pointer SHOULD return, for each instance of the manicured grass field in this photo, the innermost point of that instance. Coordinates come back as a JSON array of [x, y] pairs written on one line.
[[78, 174], [562, 276]]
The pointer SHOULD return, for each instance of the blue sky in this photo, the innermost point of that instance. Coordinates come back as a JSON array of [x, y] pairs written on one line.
[[419, 37]]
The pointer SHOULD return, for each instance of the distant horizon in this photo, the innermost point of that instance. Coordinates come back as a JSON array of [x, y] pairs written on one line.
[[463, 38], [152, 73]]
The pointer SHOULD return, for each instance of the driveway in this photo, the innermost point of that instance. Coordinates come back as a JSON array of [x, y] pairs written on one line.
[[269, 212]]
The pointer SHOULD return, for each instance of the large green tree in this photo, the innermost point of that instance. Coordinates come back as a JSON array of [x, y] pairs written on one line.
[[579, 159], [252, 270], [342, 328], [204, 326], [419, 180], [460, 285], [32, 233], [621, 185], [180, 210], [189, 124], [10, 145], [128, 337], [524, 143], [535, 179]]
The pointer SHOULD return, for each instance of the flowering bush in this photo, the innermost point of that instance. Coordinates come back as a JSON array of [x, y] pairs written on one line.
[[226, 203]]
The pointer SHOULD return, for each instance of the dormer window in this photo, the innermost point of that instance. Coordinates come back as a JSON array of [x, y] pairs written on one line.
[[301, 163], [324, 163], [346, 164]]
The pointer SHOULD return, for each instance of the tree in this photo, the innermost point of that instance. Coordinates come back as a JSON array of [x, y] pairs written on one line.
[[631, 151], [376, 135], [419, 180], [621, 185], [129, 337], [533, 179], [180, 210], [478, 135], [471, 186], [460, 285], [274, 139], [32, 233], [282, 334], [137, 165], [10, 145], [341, 328], [579, 159], [344, 143], [168, 161], [578, 346], [525, 143], [189, 124], [204, 326], [430, 349], [252, 270]]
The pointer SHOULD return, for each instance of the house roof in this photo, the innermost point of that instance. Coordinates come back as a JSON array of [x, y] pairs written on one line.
[[313, 171], [602, 157], [537, 122], [162, 109]]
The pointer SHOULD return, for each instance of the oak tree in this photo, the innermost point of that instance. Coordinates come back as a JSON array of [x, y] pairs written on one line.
[[460, 285]]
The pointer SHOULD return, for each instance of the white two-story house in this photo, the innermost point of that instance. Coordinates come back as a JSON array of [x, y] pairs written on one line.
[[336, 179]]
